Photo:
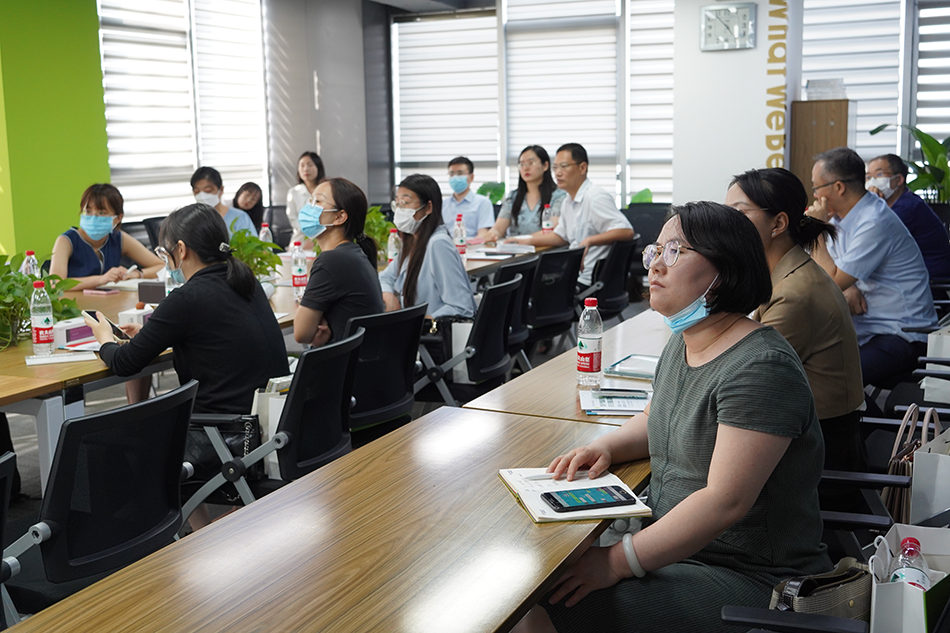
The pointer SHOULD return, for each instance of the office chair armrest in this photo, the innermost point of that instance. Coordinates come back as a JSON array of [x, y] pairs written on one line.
[[852, 521], [9, 567], [187, 471], [864, 480], [934, 360], [921, 330], [788, 621], [215, 419], [932, 373]]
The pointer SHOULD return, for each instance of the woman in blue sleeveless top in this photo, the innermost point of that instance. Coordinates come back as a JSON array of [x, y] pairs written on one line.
[[91, 252]]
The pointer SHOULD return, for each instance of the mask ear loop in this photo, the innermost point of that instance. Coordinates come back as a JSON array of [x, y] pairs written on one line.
[[713, 283]]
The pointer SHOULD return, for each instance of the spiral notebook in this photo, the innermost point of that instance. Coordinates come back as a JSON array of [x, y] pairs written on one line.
[[639, 366]]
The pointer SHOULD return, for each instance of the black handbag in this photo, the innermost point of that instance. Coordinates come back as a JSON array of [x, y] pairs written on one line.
[[242, 437]]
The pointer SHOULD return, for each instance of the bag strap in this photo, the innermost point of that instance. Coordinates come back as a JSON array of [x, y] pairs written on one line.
[[909, 420], [930, 416], [802, 586]]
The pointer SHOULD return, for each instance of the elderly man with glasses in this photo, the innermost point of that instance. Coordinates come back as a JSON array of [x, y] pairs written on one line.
[[589, 215], [877, 264]]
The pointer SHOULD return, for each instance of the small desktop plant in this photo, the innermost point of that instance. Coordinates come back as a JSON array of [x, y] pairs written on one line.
[[257, 254], [933, 172], [16, 290], [494, 190], [377, 227]]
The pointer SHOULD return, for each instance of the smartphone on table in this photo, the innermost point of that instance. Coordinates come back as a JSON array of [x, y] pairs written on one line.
[[588, 498], [116, 330]]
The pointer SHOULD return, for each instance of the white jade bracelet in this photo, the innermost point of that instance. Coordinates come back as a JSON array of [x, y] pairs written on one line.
[[631, 555]]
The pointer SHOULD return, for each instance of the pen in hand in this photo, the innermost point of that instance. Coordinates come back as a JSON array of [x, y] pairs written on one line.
[[542, 476], [129, 271]]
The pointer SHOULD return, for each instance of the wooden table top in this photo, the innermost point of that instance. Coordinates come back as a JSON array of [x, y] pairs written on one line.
[[483, 267], [64, 375], [414, 532], [550, 390]]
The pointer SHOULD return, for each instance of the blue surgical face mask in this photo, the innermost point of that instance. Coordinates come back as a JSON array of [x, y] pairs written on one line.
[[691, 314], [96, 226], [309, 218], [458, 183], [176, 275]]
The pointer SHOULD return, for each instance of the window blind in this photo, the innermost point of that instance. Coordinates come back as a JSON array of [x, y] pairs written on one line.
[[446, 96], [933, 69], [859, 41], [650, 154]]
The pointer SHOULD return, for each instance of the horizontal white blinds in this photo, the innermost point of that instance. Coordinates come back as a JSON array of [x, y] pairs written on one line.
[[650, 127], [156, 136], [550, 9], [229, 62], [933, 69], [858, 41]]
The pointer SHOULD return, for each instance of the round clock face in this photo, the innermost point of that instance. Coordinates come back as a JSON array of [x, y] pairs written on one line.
[[726, 27]]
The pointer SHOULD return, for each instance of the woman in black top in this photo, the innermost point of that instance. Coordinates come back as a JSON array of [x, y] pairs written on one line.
[[343, 281], [219, 324]]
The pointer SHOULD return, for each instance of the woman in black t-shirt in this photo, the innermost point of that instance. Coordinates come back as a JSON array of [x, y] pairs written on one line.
[[343, 281]]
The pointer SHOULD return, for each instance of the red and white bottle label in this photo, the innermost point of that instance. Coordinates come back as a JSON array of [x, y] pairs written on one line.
[[42, 329], [299, 277], [546, 227], [588, 355], [460, 245]]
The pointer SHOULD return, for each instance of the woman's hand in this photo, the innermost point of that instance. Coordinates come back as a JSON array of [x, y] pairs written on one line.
[[131, 329], [596, 458], [101, 329], [492, 237], [597, 568], [113, 274], [391, 302], [322, 337]]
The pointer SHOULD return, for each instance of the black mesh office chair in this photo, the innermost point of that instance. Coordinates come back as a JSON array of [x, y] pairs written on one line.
[[313, 430], [385, 372], [551, 307], [518, 335], [279, 224], [153, 226], [111, 499], [7, 468], [140, 233], [609, 285], [485, 355]]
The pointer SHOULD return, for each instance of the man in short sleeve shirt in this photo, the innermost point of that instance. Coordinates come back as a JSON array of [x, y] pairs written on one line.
[[589, 215], [876, 262], [477, 211]]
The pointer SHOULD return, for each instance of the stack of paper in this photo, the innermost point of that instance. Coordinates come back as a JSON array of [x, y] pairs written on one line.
[[595, 404], [528, 493], [634, 366]]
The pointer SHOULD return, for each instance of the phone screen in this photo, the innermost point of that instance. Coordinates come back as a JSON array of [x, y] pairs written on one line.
[[116, 330], [587, 498]]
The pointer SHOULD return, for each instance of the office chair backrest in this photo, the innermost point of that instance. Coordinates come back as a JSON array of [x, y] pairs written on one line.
[[113, 491], [7, 468], [519, 313], [647, 220], [317, 412], [552, 292], [613, 271], [153, 226], [280, 227], [386, 368], [489, 335], [139, 232]]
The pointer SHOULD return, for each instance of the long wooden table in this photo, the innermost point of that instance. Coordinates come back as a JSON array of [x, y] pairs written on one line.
[[550, 390], [414, 532]]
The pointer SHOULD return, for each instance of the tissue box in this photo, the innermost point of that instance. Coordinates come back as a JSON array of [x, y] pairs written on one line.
[[139, 317], [71, 331], [151, 291]]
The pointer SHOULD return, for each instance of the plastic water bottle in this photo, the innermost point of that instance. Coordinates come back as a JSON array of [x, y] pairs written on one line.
[[393, 245], [910, 565], [590, 332], [41, 319], [458, 235], [30, 266], [298, 270], [265, 234], [547, 220]]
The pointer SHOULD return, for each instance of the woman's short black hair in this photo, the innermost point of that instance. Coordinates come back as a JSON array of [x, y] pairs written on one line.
[[732, 244], [207, 173]]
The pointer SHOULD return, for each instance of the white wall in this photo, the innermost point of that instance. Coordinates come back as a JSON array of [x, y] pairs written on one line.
[[721, 115]]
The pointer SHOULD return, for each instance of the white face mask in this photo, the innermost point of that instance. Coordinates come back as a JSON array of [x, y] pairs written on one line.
[[882, 183], [210, 199], [405, 221]]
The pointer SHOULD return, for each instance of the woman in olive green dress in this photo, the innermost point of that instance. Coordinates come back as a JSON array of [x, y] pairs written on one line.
[[734, 445]]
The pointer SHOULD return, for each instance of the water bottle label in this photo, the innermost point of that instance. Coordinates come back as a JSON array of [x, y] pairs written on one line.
[[546, 226], [42, 329], [299, 274], [460, 246], [911, 576], [588, 355], [300, 281]]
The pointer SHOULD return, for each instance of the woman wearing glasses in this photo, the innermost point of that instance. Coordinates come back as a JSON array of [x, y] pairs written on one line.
[[91, 253], [521, 211], [734, 445], [429, 269], [807, 307]]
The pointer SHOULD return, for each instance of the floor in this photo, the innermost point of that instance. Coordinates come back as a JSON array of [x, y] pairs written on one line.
[[23, 429]]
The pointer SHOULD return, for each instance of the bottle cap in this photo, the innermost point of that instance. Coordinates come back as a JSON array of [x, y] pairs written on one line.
[[458, 218], [39, 284], [590, 302], [30, 253], [296, 243], [264, 225], [392, 230], [911, 541]]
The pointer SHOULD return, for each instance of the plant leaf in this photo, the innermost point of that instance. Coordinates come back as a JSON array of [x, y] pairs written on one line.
[[642, 196]]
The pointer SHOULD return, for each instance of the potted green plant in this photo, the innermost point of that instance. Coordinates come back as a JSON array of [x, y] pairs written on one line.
[[494, 190], [259, 256], [933, 173], [378, 227], [16, 290]]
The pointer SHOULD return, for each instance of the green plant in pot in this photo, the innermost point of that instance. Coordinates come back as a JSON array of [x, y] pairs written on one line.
[[16, 290], [933, 173], [377, 227], [254, 252], [495, 191]]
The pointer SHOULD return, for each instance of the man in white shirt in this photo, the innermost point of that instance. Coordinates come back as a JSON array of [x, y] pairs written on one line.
[[477, 211], [589, 215]]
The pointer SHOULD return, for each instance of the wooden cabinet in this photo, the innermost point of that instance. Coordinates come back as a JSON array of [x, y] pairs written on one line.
[[818, 126]]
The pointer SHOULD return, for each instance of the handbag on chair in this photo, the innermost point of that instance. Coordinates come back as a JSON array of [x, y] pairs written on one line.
[[897, 500], [843, 592], [242, 437]]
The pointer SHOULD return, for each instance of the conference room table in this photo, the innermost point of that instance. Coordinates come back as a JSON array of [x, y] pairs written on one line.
[[414, 532], [551, 390], [54, 393]]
